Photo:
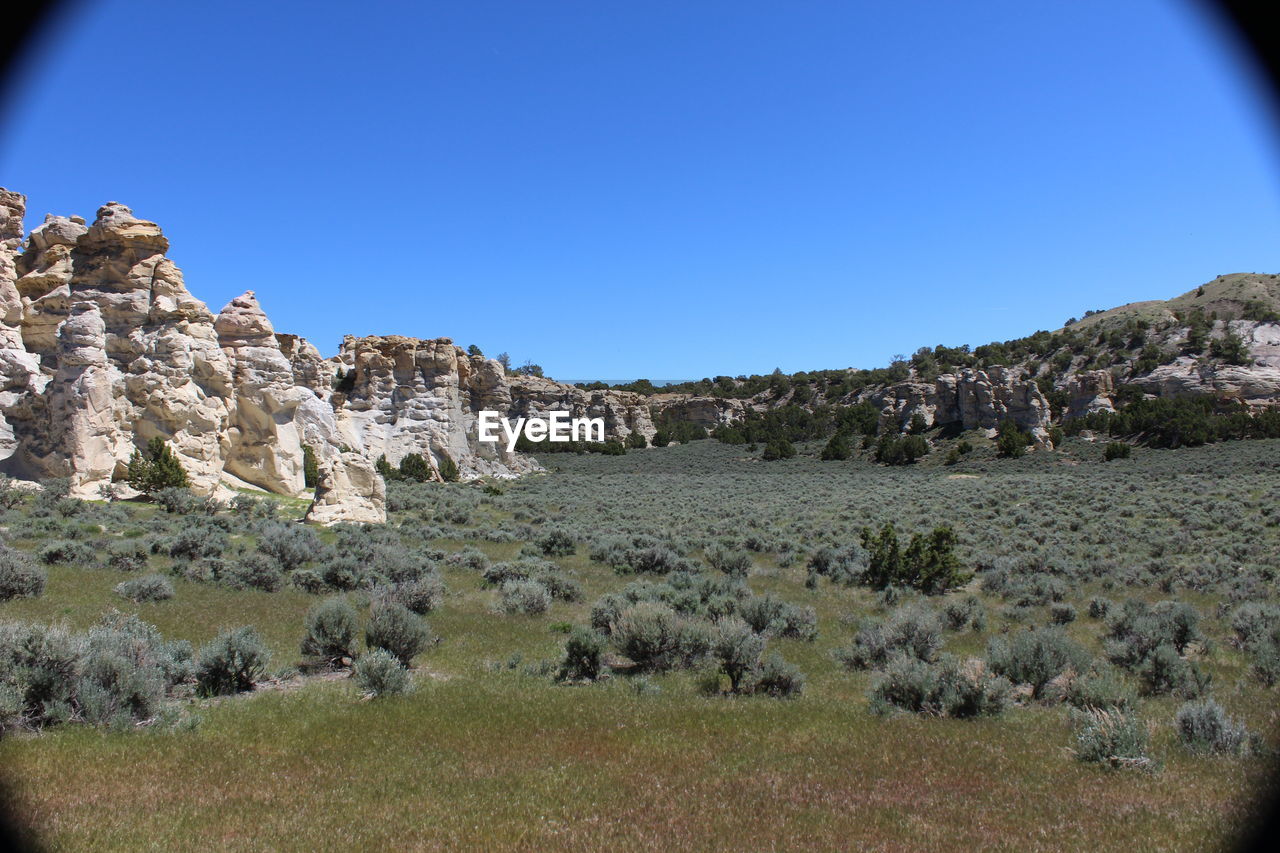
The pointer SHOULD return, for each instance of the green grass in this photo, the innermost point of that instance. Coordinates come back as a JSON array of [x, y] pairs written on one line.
[[485, 755]]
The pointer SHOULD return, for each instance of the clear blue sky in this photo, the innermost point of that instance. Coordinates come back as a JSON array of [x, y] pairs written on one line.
[[662, 189]]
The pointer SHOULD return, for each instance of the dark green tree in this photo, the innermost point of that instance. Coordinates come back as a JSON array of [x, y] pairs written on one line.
[[156, 468], [310, 467], [1011, 441], [415, 467], [448, 469], [837, 448]]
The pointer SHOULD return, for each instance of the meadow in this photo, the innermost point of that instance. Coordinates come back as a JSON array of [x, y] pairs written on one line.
[[888, 720]]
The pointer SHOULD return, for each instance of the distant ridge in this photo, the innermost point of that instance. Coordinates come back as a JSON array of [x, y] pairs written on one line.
[[656, 382]]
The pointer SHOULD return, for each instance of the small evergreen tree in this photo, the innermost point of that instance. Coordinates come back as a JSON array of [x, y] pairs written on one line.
[[415, 467], [837, 447], [1011, 442], [448, 469], [637, 441], [156, 468], [383, 467], [310, 467], [661, 438]]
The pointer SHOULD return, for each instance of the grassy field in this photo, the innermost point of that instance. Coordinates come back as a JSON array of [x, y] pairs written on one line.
[[489, 751]]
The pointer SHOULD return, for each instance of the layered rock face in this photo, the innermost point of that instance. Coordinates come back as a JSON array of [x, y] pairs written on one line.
[[102, 348], [975, 399], [623, 412], [1256, 383], [402, 395]]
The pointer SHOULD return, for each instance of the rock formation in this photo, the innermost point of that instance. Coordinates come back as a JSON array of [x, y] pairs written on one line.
[[974, 399], [623, 412], [102, 348]]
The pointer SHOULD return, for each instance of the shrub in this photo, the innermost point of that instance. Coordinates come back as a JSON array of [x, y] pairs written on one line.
[[1116, 450], [557, 543], [331, 632], [1113, 737], [253, 571], [778, 678], [397, 630], [1204, 727], [1099, 607], [380, 673], [637, 441], [837, 448], [768, 615], [1036, 657], [232, 663], [20, 577], [129, 555], [735, 564], [415, 467], [778, 449], [290, 545], [738, 649], [146, 588], [525, 596], [583, 655], [310, 467], [1164, 671], [652, 635], [420, 596], [965, 611], [928, 563], [1011, 441], [1062, 613], [66, 552], [155, 468], [1101, 687], [448, 468], [911, 630], [945, 688]]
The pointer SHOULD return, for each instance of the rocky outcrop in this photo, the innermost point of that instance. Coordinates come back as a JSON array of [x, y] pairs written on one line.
[[264, 447], [974, 399], [103, 348], [623, 412], [404, 395], [1256, 383], [1090, 391], [707, 412]]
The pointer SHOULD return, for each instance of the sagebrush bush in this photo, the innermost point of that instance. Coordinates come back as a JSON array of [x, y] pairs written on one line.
[[380, 673], [20, 577], [525, 596], [557, 542], [421, 596], [656, 638], [738, 649], [735, 564], [291, 545], [911, 629], [397, 630], [231, 663], [1101, 686], [145, 588], [1113, 737], [331, 632], [1036, 657], [253, 571], [583, 655], [945, 688], [1204, 727], [778, 678]]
